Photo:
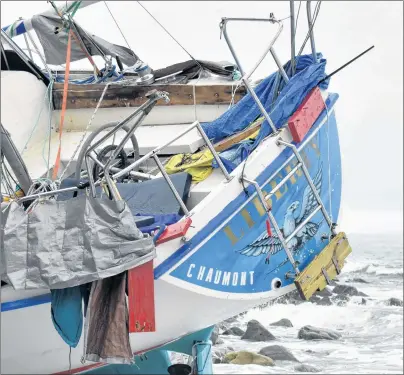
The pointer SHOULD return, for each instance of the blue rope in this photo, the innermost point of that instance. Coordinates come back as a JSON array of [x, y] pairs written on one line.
[[91, 79]]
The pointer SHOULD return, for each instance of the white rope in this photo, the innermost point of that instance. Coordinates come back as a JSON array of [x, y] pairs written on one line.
[[233, 92], [85, 131]]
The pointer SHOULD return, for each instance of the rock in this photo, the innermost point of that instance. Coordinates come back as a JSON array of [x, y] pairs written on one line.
[[215, 335], [340, 299], [394, 302], [292, 297], [325, 301], [348, 290], [219, 341], [324, 293], [363, 302], [278, 353], [218, 354], [248, 358], [306, 368], [359, 280], [231, 320], [314, 333], [282, 323], [257, 332], [234, 331]]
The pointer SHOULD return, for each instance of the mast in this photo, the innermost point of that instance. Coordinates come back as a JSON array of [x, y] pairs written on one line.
[[292, 36], [22, 26]]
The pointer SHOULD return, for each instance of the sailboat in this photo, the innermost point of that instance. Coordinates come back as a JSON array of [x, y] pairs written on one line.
[[242, 206]]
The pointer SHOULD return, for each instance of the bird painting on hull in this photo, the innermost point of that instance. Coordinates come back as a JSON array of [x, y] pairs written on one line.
[[270, 244]]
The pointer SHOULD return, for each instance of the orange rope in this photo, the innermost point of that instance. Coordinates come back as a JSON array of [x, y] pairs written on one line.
[[64, 103]]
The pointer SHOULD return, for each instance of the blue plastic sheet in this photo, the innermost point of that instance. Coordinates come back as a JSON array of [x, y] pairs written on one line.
[[279, 107]]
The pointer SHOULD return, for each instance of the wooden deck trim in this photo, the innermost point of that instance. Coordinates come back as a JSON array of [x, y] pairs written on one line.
[[87, 96]]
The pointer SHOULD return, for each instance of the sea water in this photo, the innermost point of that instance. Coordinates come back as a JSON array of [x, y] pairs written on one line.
[[372, 333]]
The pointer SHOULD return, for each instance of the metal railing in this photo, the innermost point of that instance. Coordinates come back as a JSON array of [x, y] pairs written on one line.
[[245, 76]]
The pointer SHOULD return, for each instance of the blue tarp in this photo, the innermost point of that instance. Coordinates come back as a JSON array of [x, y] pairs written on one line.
[[280, 108]]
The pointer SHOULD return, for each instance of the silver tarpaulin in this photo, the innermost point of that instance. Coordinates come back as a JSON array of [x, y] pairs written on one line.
[[61, 244], [53, 37]]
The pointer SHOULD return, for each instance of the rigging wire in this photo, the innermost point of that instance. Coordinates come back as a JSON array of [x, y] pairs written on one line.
[[316, 12], [297, 17], [175, 40], [117, 25]]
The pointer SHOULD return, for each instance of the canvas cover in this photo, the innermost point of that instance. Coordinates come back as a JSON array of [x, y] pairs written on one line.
[[55, 44], [61, 244]]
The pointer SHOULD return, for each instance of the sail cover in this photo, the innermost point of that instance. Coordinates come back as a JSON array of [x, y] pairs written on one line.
[[53, 37], [61, 244]]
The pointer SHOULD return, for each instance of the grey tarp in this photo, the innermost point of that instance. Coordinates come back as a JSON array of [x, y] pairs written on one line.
[[55, 44], [60, 244]]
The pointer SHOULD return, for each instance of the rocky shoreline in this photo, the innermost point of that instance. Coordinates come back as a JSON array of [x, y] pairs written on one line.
[[275, 354]]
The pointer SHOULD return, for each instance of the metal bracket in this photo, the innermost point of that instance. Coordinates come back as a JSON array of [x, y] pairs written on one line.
[[327, 278]]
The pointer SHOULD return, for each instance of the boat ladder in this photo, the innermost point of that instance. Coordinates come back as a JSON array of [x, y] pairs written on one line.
[[265, 198]]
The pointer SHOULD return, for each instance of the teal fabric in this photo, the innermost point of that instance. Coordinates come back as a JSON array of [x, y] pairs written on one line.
[[67, 313]]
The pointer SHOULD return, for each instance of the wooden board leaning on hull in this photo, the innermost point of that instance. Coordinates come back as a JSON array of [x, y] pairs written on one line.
[[327, 264], [87, 96]]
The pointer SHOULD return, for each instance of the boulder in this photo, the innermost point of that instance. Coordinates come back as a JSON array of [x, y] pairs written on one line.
[[218, 354], [306, 368], [325, 301], [278, 353], [257, 332], [234, 331], [324, 293], [394, 302], [215, 335], [219, 341], [282, 323], [348, 290], [231, 320], [248, 358], [359, 280], [314, 333]]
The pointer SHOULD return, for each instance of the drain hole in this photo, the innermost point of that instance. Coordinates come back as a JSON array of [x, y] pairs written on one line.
[[276, 283]]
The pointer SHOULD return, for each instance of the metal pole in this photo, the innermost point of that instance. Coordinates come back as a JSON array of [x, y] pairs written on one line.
[[281, 70], [292, 36], [213, 151], [310, 22], [309, 180], [15, 161], [170, 184], [274, 223]]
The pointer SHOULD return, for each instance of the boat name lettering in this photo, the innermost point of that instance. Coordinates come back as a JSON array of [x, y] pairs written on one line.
[[215, 276]]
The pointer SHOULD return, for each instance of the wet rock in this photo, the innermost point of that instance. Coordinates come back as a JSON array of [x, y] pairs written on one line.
[[340, 299], [394, 302], [257, 332], [314, 333], [363, 302], [231, 320], [325, 301], [278, 353], [290, 298], [348, 290], [215, 335], [219, 341], [234, 331], [306, 368], [218, 354], [359, 280], [247, 358], [324, 293], [282, 323]]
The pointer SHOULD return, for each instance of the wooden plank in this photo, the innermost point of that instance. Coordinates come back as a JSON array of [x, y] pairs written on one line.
[[238, 137], [312, 278], [87, 96]]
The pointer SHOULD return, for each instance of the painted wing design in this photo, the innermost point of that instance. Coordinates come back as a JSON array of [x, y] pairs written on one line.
[[262, 245], [309, 202], [308, 231]]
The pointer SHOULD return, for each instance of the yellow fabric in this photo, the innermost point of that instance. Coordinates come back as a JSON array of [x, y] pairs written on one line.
[[198, 165]]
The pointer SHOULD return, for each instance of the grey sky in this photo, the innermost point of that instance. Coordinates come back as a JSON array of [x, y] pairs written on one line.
[[370, 108]]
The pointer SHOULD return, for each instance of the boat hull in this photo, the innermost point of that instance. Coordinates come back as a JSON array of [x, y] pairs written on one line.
[[189, 294]]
